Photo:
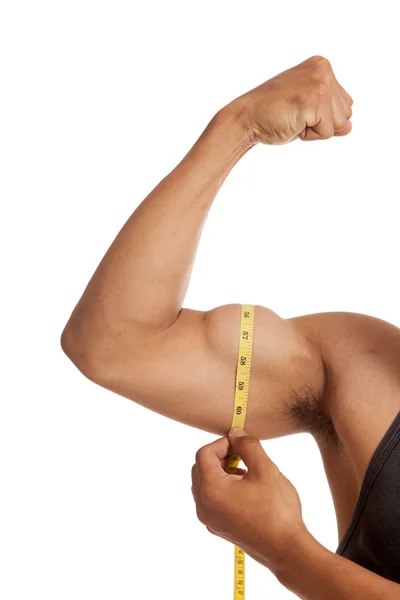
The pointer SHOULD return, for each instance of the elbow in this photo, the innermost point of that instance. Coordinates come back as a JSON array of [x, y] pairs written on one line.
[[82, 354]]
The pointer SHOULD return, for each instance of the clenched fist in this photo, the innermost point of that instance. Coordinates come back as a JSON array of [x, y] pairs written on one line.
[[305, 102]]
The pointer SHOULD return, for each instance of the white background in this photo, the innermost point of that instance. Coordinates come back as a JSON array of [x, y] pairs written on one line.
[[99, 101]]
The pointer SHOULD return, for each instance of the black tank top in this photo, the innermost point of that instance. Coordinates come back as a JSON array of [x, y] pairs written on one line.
[[372, 539]]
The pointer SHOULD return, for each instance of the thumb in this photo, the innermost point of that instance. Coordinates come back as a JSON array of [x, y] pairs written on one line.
[[250, 450]]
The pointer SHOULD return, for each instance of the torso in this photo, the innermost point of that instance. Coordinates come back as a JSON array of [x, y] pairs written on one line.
[[345, 469], [362, 398]]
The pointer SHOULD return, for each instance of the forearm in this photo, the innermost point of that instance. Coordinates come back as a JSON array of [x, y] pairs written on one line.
[[314, 573], [143, 277]]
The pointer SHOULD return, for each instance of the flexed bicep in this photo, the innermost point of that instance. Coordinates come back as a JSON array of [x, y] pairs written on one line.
[[187, 372]]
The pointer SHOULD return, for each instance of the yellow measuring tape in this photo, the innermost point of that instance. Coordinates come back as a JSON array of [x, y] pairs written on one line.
[[239, 418]]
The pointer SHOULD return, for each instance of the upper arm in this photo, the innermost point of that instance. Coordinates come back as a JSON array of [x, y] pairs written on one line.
[[362, 356], [187, 372]]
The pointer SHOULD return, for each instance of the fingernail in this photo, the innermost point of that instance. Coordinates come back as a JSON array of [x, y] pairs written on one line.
[[237, 432]]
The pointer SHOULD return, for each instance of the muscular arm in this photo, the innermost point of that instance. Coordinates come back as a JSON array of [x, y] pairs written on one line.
[[139, 286], [129, 332]]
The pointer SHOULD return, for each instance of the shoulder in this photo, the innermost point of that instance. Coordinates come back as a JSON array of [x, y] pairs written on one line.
[[343, 337], [361, 364]]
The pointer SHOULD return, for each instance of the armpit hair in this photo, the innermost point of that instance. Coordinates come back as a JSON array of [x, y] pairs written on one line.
[[307, 410]]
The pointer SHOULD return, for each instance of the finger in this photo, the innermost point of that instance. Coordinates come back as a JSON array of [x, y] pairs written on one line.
[[238, 473], [225, 461], [339, 86], [339, 114], [346, 102], [210, 458], [215, 532], [320, 125], [242, 472], [251, 452], [195, 485], [342, 110], [347, 128], [344, 94]]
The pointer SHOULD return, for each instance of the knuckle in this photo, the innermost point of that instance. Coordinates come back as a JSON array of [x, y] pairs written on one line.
[[320, 62], [321, 88], [348, 111], [340, 122], [340, 125], [199, 455], [328, 132]]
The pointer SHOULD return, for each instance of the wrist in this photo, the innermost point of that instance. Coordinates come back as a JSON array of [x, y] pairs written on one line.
[[299, 557], [235, 117], [221, 145]]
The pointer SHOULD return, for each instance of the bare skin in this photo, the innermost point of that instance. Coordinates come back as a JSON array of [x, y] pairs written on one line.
[[335, 375], [259, 510]]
